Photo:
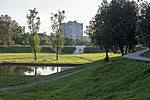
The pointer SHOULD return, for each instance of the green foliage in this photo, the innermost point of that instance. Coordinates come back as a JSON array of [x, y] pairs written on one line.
[[34, 40], [114, 26], [69, 41], [54, 44], [57, 27], [45, 39], [144, 26], [9, 29], [99, 28]]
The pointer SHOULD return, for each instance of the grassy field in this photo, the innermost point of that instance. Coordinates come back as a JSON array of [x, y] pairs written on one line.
[[50, 58], [119, 79]]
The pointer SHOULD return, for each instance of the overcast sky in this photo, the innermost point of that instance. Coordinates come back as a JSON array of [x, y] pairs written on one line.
[[80, 10]]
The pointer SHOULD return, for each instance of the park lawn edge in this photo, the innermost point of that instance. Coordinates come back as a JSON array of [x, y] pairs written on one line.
[[118, 79]]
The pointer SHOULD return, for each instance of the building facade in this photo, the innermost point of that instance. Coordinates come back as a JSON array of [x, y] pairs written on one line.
[[73, 30]]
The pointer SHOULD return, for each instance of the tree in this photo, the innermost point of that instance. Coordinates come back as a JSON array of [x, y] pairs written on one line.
[[34, 25], [57, 27], [123, 23], [69, 41], [18, 33], [114, 26], [144, 22], [99, 28], [25, 39], [8, 30], [45, 39], [54, 44]]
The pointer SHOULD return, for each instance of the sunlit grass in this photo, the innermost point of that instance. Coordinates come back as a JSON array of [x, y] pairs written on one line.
[[51, 57]]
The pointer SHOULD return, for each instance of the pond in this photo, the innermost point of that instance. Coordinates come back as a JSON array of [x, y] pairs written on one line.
[[29, 70]]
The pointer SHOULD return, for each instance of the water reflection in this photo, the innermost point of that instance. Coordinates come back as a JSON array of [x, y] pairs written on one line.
[[28, 70]]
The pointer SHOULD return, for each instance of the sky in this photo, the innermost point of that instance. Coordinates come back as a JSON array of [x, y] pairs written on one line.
[[80, 10]]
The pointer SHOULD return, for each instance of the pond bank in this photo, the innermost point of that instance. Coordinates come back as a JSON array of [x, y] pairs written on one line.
[[10, 88], [36, 64]]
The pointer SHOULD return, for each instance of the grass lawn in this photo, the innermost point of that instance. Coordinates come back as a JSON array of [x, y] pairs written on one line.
[[146, 54], [118, 79], [8, 80], [50, 58]]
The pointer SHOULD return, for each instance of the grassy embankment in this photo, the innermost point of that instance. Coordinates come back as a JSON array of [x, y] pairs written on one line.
[[46, 49], [146, 54], [119, 79]]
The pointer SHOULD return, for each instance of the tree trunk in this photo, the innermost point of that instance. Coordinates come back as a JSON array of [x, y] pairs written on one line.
[[126, 50], [57, 49], [35, 55], [107, 56], [129, 49], [121, 49]]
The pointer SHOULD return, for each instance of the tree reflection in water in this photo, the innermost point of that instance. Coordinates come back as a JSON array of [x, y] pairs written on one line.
[[12, 70], [28, 70]]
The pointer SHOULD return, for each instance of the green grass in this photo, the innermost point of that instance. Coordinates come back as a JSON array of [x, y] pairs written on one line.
[[146, 54], [9, 80], [50, 58], [118, 79], [14, 80]]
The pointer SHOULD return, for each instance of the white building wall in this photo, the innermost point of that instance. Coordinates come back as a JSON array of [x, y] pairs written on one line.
[[73, 30]]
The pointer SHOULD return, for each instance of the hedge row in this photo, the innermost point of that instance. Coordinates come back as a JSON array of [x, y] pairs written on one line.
[[45, 49]]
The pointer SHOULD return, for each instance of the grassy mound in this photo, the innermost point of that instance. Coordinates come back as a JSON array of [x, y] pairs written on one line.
[[118, 79], [23, 49]]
